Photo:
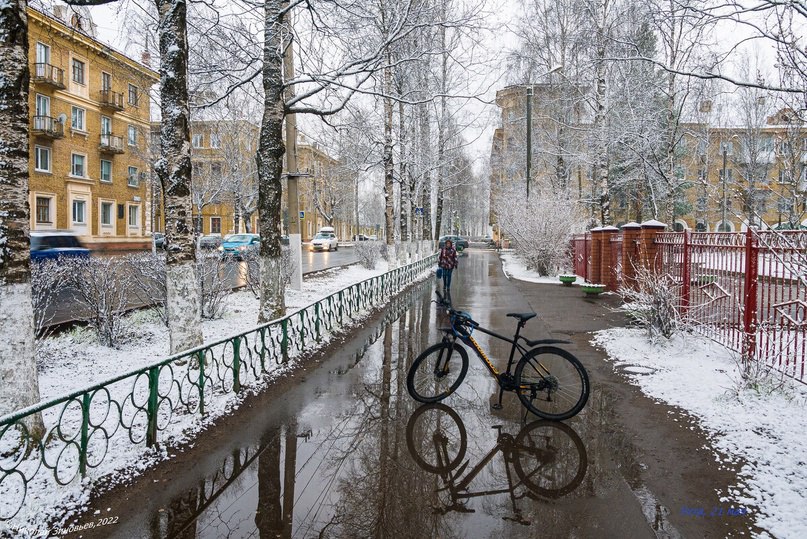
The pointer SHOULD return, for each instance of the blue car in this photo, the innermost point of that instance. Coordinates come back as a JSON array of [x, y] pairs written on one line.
[[240, 245], [52, 245]]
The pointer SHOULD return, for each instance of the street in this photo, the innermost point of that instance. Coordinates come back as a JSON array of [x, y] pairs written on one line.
[[63, 309], [339, 448]]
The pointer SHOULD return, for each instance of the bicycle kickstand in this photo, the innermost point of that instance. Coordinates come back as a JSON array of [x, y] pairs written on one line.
[[498, 405]]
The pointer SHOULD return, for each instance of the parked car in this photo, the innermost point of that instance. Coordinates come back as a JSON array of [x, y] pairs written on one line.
[[360, 237], [325, 241], [459, 242], [284, 240], [159, 240], [52, 245], [208, 243], [240, 245], [373, 237]]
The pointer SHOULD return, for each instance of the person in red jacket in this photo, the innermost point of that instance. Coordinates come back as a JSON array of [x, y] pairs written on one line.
[[447, 262]]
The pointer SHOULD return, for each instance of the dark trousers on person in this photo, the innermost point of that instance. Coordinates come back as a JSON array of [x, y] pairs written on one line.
[[447, 278]]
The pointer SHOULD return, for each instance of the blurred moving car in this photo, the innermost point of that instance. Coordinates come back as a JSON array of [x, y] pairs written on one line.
[[325, 240], [52, 245], [208, 243], [360, 237], [459, 242], [159, 240], [240, 245]]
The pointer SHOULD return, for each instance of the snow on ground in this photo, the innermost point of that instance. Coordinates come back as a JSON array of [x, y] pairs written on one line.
[[766, 431], [75, 360], [514, 267]]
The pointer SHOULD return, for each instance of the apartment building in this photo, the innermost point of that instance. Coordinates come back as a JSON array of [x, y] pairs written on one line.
[[90, 113]]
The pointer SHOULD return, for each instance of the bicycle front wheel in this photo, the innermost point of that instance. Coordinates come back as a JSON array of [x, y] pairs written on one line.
[[437, 372], [551, 383]]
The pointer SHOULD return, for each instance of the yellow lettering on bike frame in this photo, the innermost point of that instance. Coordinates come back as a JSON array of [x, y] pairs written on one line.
[[484, 355]]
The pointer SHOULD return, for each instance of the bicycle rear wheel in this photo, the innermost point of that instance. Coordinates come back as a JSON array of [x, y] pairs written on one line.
[[550, 458], [437, 372], [551, 383]]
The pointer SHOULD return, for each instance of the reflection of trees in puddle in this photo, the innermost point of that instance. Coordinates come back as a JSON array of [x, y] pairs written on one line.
[[545, 460]]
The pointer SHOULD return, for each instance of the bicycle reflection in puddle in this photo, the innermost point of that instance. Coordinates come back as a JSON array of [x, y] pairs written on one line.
[[548, 458]]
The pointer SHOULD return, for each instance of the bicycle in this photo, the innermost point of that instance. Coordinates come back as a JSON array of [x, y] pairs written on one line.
[[548, 457], [549, 381]]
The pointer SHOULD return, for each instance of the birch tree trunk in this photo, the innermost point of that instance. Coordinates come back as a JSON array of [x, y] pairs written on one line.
[[389, 166], [600, 168], [183, 301], [425, 156], [19, 383], [270, 161], [443, 125]]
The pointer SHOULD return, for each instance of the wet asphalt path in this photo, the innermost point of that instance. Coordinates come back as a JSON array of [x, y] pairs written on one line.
[[341, 450]]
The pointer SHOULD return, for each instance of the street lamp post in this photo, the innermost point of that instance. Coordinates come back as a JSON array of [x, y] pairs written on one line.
[[530, 92]]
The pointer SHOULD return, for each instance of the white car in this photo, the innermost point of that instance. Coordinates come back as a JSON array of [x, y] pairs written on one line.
[[325, 241]]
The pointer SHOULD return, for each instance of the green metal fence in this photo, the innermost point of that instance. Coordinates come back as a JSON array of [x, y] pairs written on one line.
[[138, 408]]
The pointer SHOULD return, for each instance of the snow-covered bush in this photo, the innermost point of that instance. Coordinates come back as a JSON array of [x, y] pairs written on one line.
[[653, 303], [47, 283], [150, 281], [212, 274], [100, 287], [368, 253], [540, 226]]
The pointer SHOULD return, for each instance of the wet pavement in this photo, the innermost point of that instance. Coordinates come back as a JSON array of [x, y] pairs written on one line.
[[339, 449]]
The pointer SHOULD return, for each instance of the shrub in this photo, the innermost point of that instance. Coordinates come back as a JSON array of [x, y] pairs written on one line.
[[369, 253], [653, 304]]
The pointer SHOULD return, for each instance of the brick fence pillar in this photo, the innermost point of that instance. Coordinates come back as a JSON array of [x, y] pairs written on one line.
[[595, 260], [631, 232], [607, 269], [647, 244]]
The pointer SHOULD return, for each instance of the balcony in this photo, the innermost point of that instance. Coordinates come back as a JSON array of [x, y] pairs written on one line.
[[111, 144], [47, 127], [49, 75], [111, 100]]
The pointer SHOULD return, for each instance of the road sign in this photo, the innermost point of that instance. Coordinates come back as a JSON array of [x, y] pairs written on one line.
[[418, 211], [302, 215]]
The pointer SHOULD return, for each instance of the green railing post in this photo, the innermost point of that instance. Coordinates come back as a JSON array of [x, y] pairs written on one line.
[[85, 438], [284, 339], [316, 322], [151, 408], [262, 354], [237, 364], [200, 356], [302, 329], [341, 303]]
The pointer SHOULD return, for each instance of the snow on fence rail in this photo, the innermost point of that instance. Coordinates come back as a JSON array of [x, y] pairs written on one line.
[[136, 408], [746, 290]]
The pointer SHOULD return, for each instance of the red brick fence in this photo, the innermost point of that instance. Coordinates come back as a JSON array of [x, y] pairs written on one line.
[[745, 290]]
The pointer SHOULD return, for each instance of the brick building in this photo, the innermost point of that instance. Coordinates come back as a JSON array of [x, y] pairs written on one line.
[[89, 125]]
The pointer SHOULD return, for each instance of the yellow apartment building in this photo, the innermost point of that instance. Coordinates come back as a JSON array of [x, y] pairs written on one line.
[[89, 126]]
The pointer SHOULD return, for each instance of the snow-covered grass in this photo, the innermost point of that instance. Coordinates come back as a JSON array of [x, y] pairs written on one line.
[[75, 360], [515, 267], [766, 431]]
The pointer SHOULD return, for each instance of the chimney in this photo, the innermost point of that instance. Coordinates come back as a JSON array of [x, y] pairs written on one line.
[[145, 58]]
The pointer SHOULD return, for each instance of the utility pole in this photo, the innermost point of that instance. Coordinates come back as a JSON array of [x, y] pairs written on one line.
[[723, 220], [295, 239]]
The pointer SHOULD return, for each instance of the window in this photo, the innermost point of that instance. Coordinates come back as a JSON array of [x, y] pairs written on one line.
[[42, 157], [702, 203], [215, 170], [729, 175], [133, 95], [766, 144], [42, 53], [215, 225], [106, 213], [78, 166], [43, 211], [78, 71], [42, 105], [106, 125], [133, 180], [784, 177], [132, 135], [79, 213], [197, 141], [785, 148], [727, 148], [134, 214], [215, 141], [106, 171], [106, 82], [78, 119]]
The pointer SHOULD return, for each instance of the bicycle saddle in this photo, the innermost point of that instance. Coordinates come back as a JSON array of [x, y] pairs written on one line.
[[522, 316]]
